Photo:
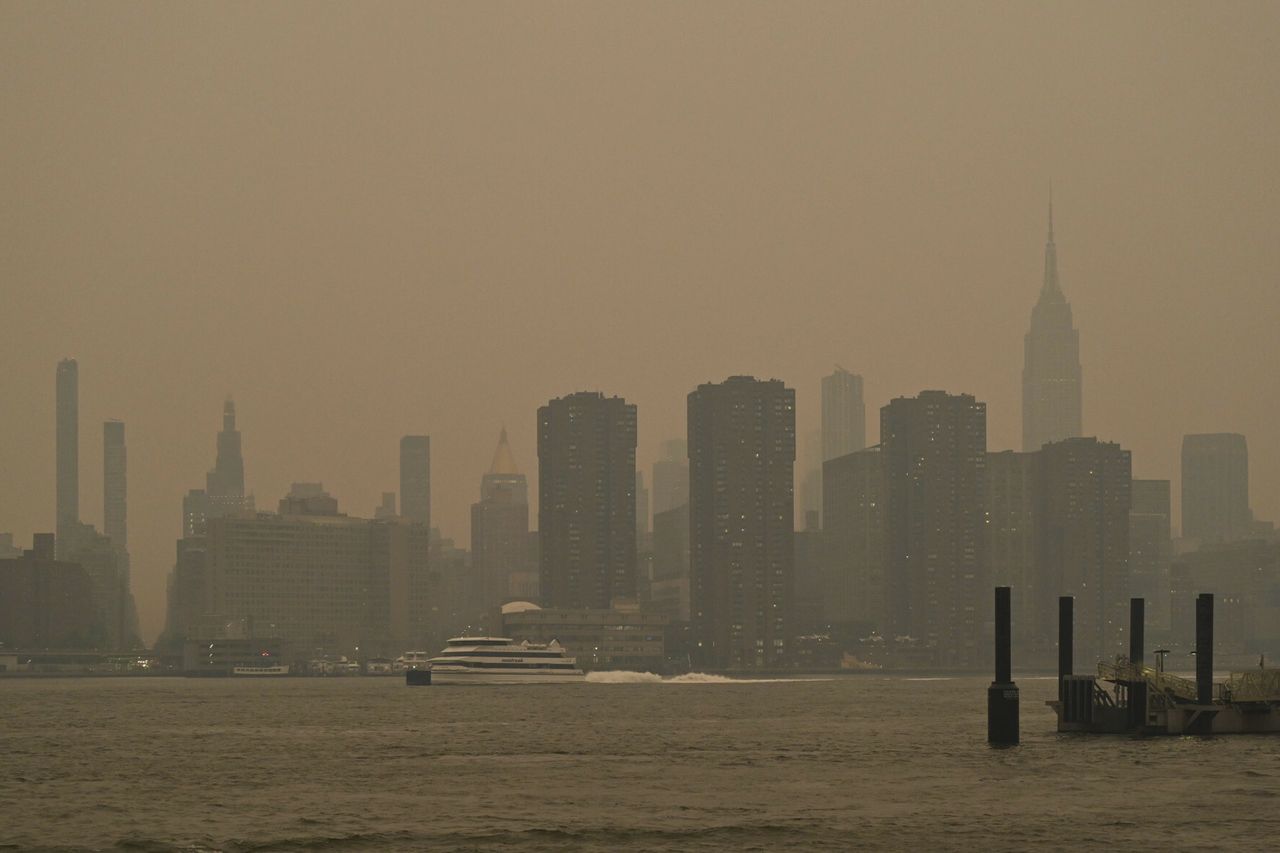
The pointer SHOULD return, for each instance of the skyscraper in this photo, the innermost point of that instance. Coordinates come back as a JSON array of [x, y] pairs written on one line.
[[68, 451], [934, 449], [844, 416], [415, 479], [671, 477], [1215, 487], [1151, 548], [742, 451], [587, 500], [1010, 541], [226, 480], [500, 526], [642, 511], [853, 512], [114, 488], [1083, 497], [1051, 376]]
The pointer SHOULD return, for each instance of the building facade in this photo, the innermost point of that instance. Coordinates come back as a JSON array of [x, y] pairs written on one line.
[[587, 501], [1083, 499], [844, 415], [67, 450], [1215, 488], [855, 591], [1052, 399], [671, 477], [934, 449], [329, 582], [415, 479], [1010, 538], [500, 527], [620, 638], [1151, 549], [114, 485], [742, 451]]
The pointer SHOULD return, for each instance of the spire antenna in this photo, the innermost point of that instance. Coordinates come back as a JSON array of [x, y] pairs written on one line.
[[1051, 210]]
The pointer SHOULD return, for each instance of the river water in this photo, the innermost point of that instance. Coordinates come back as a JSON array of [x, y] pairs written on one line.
[[621, 763]]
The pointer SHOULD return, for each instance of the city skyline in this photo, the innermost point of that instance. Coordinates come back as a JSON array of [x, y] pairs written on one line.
[[306, 273]]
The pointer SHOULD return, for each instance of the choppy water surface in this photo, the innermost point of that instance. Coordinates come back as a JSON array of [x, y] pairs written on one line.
[[621, 763]]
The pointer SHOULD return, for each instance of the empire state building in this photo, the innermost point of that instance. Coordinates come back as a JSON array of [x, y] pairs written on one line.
[[1051, 398]]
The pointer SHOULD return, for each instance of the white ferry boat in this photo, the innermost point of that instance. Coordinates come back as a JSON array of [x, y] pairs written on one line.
[[497, 660], [261, 669]]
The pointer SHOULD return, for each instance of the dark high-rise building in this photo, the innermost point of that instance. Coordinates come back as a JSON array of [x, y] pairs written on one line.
[[587, 500], [415, 479], [1010, 543], [225, 483], [844, 416], [114, 486], [742, 451], [934, 448], [46, 604], [1051, 375], [809, 477], [642, 513], [1151, 548], [808, 595], [853, 501], [1083, 496], [223, 493], [671, 477], [500, 527], [1215, 487], [67, 422], [669, 591]]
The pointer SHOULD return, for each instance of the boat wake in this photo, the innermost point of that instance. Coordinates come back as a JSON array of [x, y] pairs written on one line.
[[623, 677]]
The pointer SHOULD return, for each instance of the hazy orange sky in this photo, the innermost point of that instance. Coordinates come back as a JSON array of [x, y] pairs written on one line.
[[365, 220]]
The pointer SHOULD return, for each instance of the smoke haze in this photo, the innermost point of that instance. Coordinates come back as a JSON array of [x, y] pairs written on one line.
[[369, 221]]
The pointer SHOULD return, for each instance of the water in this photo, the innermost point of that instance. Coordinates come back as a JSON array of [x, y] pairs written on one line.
[[622, 763]]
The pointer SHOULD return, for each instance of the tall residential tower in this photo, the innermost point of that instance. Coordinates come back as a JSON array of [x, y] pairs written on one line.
[[415, 479], [742, 452], [114, 488], [587, 500], [68, 452]]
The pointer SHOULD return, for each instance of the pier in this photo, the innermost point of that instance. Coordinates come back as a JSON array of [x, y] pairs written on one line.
[[1128, 697]]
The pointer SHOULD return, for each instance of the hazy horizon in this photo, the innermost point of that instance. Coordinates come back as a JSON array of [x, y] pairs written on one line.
[[362, 225]]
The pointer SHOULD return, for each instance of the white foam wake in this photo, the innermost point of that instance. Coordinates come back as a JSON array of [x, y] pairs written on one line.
[[622, 677]]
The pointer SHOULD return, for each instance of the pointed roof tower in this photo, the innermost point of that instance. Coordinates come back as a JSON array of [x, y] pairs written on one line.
[[1051, 286], [503, 460]]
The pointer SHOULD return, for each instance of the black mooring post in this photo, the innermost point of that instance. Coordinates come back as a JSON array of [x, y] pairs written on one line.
[[1137, 607], [1066, 641], [1138, 684], [1204, 648], [1002, 695]]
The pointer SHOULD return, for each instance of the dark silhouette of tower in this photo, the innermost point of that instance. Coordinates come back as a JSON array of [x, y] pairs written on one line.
[[587, 500], [1215, 487], [225, 483], [844, 415], [415, 479], [68, 452], [1051, 375], [500, 526], [114, 485], [742, 452]]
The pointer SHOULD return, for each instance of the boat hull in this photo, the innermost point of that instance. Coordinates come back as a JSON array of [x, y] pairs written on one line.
[[442, 676]]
